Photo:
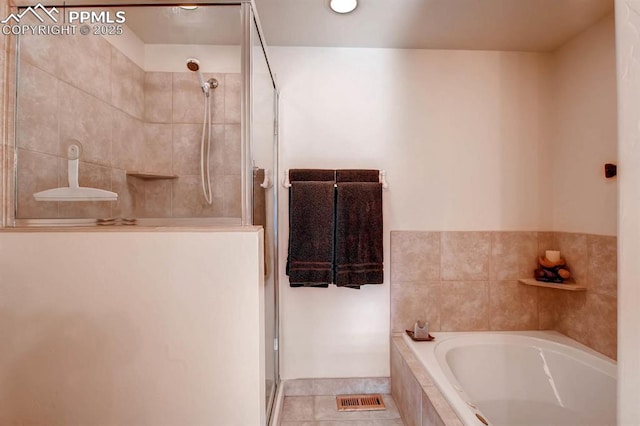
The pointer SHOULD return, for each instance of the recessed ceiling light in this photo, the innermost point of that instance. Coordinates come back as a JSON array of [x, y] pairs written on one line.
[[343, 6], [189, 7]]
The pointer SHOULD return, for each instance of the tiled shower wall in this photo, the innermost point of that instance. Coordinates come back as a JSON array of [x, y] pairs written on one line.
[[82, 88], [463, 281]]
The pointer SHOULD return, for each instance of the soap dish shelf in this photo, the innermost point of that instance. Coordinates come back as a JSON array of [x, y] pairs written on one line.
[[150, 176], [419, 339], [556, 286]]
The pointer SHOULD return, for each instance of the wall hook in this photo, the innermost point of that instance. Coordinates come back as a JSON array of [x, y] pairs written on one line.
[[610, 170]]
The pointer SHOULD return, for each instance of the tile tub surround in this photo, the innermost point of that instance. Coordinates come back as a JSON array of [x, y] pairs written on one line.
[[467, 281], [418, 399], [126, 119]]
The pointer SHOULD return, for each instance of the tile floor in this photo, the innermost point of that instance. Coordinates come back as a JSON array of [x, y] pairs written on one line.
[[322, 411]]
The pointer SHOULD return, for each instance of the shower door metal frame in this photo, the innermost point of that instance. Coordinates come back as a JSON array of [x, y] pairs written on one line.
[[249, 18]]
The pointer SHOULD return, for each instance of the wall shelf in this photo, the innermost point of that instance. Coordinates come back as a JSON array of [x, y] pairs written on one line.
[[151, 176], [557, 286]]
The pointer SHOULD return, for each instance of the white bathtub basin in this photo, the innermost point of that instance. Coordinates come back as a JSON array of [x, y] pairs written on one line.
[[521, 378]]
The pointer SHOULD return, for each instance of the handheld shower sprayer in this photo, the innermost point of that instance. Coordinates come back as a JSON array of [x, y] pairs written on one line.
[[205, 142], [194, 65]]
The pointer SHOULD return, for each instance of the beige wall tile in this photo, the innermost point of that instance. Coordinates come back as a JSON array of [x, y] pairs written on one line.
[[513, 255], [405, 389], [186, 149], [430, 416], [128, 141], [548, 299], [218, 99], [572, 314], [603, 264], [232, 147], [513, 306], [464, 305], [158, 148], [37, 127], [465, 256], [138, 91], [157, 198], [88, 120], [158, 93], [188, 200], [232, 196], [92, 176], [85, 63], [603, 324], [412, 414], [415, 301], [395, 366], [126, 84], [36, 172], [41, 51], [573, 248], [128, 194], [415, 256], [546, 241], [590, 319], [188, 99], [232, 97], [217, 150]]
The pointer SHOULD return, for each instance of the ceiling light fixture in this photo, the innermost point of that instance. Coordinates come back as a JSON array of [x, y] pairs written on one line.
[[189, 7], [343, 6]]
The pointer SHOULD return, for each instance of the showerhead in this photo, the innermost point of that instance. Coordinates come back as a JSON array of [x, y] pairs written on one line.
[[194, 65]]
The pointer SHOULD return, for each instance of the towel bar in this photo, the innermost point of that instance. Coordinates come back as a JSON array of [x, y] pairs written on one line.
[[382, 178]]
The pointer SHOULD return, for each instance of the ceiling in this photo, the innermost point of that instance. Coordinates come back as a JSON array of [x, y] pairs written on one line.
[[520, 25], [173, 25], [523, 25]]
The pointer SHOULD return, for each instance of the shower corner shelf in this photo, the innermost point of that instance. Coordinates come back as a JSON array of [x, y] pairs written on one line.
[[557, 286], [150, 175]]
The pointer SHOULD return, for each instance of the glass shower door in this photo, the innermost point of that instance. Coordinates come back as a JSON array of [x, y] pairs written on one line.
[[264, 160]]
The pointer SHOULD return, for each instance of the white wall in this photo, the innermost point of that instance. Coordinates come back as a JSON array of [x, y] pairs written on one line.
[[462, 136], [628, 47], [129, 44], [143, 328], [173, 57], [584, 132]]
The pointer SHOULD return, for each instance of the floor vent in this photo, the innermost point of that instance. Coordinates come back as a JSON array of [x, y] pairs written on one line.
[[367, 402]]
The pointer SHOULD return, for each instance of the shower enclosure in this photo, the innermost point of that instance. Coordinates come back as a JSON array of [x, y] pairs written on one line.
[[174, 109]]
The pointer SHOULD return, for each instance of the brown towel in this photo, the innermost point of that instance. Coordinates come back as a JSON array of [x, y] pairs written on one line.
[[357, 175], [311, 224], [260, 212], [315, 175], [358, 247]]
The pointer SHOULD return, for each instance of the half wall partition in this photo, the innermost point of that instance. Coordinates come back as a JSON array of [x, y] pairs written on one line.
[[156, 105]]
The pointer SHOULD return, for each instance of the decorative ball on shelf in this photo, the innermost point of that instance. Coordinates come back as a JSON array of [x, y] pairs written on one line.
[[552, 271]]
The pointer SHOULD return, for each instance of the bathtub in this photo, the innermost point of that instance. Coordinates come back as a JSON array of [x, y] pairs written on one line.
[[520, 378]]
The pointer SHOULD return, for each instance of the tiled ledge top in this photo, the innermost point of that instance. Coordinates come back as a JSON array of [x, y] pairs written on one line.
[[136, 228], [444, 410]]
